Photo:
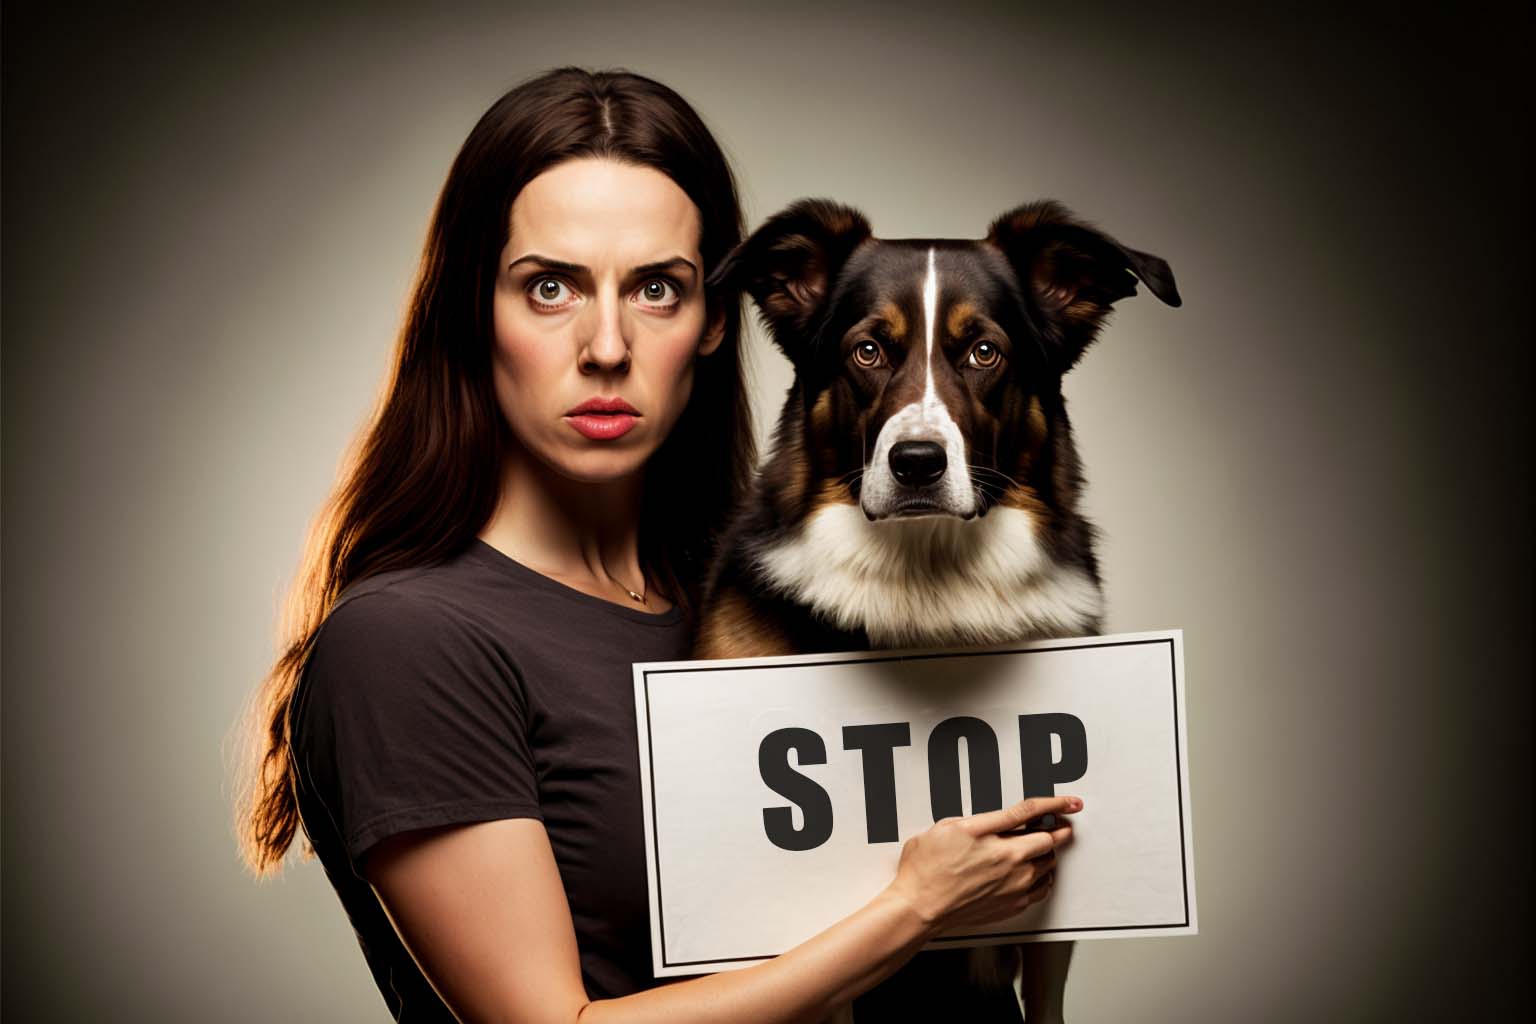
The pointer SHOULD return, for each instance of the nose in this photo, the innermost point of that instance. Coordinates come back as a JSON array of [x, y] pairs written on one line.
[[917, 463], [607, 348]]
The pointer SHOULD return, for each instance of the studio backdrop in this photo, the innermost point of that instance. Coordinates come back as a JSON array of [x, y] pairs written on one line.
[[1317, 468]]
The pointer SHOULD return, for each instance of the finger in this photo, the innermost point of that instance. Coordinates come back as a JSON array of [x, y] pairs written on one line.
[[1054, 836], [1044, 864], [1060, 833], [1014, 817], [1042, 887], [1027, 846]]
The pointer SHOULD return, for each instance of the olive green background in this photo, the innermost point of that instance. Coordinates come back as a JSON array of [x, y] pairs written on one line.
[[1319, 467]]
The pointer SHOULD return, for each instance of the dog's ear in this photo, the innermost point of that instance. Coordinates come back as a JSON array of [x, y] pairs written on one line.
[[1073, 272], [789, 264]]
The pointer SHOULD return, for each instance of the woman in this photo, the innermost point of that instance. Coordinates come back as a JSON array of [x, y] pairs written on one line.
[[531, 511]]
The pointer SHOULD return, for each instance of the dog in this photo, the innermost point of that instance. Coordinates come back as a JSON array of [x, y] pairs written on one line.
[[922, 485]]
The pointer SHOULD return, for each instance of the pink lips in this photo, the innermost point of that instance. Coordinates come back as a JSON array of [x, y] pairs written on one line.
[[603, 419]]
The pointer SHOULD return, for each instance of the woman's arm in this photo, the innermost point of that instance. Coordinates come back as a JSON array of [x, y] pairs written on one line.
[[482, 909]]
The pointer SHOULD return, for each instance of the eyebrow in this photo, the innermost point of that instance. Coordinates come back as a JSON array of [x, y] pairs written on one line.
[[548, 263], [881, 321]]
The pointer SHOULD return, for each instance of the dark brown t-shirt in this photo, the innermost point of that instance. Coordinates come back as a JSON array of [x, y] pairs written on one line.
[[471, 690]]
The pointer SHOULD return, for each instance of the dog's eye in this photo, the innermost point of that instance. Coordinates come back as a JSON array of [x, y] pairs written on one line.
[[985, 355], [867, 354]]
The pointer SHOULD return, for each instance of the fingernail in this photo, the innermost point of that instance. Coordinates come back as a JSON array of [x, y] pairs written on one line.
[[1075, 803]]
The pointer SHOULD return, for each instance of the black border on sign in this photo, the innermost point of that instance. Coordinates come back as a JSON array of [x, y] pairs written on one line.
[[1173, 675]]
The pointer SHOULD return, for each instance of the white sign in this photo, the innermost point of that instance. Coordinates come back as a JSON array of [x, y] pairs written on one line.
[[778, 791]]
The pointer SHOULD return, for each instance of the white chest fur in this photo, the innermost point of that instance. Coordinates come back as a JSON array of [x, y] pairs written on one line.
[[933, 580]]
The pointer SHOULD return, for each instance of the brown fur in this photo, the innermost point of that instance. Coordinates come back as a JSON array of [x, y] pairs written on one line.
[[733, 630]]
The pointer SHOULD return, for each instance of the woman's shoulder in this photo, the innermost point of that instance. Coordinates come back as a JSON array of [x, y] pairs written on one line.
[[396, 651], [453, 593], [434, 585], [400, 608], [374, 615], [398, 628], [481, 612]]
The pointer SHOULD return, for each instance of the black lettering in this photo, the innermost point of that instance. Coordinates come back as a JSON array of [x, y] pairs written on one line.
[[879, 743], [1041, 774], [986, 767], [815, 804]]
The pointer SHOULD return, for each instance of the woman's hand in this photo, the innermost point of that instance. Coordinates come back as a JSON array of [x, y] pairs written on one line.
[[963, 871]]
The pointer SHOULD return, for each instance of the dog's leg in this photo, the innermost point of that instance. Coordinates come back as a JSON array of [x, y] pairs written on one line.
[[1045, 980]]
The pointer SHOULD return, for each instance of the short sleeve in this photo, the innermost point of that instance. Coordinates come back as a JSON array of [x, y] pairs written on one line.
[[406, 718]]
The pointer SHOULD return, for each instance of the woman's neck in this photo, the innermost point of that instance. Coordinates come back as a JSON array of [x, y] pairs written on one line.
[[584, 534]]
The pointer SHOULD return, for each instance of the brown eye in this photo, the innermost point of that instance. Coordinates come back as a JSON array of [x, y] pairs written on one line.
[[550, 291], [866, 354], [660, 291], [985, 355]]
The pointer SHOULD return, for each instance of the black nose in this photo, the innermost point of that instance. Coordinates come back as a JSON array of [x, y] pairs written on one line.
[[917, 463]]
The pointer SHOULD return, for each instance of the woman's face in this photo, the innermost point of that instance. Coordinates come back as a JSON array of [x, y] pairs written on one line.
[[599, 295]]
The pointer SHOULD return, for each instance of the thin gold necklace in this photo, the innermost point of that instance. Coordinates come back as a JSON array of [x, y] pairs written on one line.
[[638, 597]]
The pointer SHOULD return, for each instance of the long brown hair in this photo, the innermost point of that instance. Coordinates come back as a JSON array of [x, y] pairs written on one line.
[[424, 476]]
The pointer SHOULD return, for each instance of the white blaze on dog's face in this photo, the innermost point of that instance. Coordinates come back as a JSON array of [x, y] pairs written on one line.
[[926, 365], [919, 465]]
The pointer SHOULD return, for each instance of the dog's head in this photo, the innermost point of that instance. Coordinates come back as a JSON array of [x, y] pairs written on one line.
[[928, 371]]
